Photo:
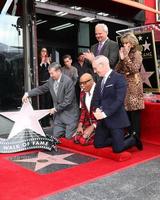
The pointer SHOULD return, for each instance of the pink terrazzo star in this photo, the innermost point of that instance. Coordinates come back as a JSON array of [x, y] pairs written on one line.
[[26, 118]]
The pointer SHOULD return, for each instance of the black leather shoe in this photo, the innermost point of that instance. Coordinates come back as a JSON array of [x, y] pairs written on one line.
[[139, 144], [56, 141], [54, 147], [127, 135]]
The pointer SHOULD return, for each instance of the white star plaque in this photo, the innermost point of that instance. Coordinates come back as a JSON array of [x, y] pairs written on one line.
[[26, 118], [146, 46]]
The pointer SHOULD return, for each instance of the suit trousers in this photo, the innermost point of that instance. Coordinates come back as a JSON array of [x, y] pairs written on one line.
[[112, 137]]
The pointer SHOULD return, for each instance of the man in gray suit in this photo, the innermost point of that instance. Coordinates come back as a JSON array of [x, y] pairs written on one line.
[[105, 46], [65, 111]]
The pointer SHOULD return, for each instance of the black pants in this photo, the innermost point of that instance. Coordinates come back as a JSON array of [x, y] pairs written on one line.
[[134, 117]]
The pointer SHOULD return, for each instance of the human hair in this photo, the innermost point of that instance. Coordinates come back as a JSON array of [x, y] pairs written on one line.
[[67, 56], [101, 60], [103, 26], [54, 65], [80, 54], [131, 38], [44, 49]]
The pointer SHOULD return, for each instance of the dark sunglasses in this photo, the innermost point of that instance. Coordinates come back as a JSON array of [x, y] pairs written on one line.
[[84, 82]]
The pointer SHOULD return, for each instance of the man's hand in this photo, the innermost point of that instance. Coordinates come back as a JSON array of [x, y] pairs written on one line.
[[99, 114], [80, 128], [52, 111], [25, 98], [89, 55], [88, 131]]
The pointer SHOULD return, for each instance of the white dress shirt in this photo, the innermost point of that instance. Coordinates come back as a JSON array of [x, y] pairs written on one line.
[[89, 96], [104, 79]]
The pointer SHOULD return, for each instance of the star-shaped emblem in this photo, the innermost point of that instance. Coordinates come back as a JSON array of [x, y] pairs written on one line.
[[140, 38], [43, 160], [26, 118], [145, 76], [146, 45]]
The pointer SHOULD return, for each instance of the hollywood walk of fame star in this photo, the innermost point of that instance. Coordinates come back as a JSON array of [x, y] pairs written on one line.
[[43, 160], [146, 45], [145, 76], [26, 118]]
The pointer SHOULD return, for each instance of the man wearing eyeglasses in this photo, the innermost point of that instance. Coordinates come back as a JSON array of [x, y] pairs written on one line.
[[87, 122]]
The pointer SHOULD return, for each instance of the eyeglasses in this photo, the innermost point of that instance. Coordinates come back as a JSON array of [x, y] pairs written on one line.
[[84, 82]]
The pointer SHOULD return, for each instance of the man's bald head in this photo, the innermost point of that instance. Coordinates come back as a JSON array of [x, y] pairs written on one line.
[[86, 76], [86, 82]]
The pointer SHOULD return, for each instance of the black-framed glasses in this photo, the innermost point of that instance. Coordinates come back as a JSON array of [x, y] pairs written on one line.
[[84, 82]]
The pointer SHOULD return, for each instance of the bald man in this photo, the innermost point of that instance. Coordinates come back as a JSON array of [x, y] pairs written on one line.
[[108, 100], [87, 121]]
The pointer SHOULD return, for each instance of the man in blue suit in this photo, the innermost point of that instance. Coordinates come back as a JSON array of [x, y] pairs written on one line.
[[109, 108]]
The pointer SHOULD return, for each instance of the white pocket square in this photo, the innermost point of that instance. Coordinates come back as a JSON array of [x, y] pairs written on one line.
[[109, 85]]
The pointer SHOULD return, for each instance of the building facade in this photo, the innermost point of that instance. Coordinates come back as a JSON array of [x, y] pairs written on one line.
[[27, 26]]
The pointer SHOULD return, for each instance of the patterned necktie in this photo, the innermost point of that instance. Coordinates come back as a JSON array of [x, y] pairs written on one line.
[[56, 87], [102, 85], [99, 48]]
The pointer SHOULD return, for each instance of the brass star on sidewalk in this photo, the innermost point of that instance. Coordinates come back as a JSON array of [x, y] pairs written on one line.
[[145, 76], [26, 118], [43, 160]]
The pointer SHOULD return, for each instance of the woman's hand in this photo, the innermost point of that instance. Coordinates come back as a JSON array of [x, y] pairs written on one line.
[[123, 52]]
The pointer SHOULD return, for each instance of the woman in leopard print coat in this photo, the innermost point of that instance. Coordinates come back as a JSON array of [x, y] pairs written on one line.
[[130, 65]]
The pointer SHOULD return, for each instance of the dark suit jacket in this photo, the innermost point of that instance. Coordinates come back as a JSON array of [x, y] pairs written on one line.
[[111, 100], [65, 101], [110, 49]]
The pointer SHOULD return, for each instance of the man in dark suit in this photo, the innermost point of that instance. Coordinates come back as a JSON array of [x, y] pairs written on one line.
[[109, 108], [65, 111], [105, 46], [87, 121]]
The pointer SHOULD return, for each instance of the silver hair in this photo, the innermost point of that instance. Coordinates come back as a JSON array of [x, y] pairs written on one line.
[[102, 61], [54, 65], [103, 26]]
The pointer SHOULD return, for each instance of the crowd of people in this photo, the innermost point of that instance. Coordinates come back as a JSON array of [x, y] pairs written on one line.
[[98, 99]]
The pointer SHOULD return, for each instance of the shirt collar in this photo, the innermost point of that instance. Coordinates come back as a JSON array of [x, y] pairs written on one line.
[[102, 43], [59, 78], [92, 89], [107, 74]]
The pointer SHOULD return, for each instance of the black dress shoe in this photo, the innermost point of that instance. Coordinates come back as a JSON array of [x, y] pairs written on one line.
[[139, 144], [54, 147], [127, 135], [55, 140]]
